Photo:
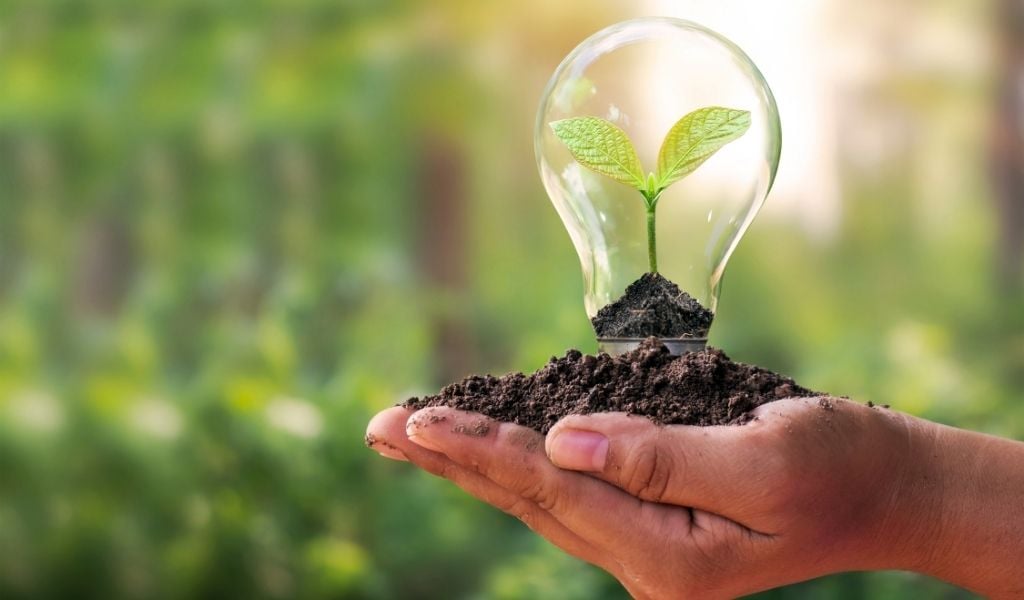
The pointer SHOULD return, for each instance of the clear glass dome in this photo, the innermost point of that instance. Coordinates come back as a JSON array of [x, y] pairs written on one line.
[[643, 75]]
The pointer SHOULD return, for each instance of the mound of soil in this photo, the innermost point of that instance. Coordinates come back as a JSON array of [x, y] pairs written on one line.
[[653, 306], [698, 388]]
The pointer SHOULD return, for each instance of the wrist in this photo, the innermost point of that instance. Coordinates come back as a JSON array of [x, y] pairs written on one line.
[[900, 532]]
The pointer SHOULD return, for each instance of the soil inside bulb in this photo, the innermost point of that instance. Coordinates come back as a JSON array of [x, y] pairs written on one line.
[[697, 388], [653, 306]]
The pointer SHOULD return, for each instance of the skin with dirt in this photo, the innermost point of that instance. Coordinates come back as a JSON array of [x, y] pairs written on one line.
[[697, 388], [653, 306]]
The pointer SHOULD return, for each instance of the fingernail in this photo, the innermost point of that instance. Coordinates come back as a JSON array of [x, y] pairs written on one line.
[[415, 434], [392, 453], [419, 440], [578, 450], [383, 448]]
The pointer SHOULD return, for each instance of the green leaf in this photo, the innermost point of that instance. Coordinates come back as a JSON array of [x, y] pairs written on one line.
[[695, 137], [601, 147], [652, 186]]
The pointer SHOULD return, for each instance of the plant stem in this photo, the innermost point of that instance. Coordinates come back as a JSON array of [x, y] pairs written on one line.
[[652, 251]]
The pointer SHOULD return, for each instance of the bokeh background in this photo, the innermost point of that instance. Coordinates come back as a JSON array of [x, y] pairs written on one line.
[[232, 231]]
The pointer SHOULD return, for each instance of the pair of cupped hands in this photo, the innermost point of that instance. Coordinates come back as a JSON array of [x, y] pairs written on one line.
[[810, 486]]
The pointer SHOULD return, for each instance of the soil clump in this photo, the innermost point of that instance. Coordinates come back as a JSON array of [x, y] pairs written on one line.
[[697, 388], [653, 306]]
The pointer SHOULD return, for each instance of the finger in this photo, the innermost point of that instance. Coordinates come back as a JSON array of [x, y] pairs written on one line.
[[717, 469], [512, 457], [377, 437], [387, 429]]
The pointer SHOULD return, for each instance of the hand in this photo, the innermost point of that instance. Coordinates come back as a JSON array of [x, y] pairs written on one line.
[[810, 487]]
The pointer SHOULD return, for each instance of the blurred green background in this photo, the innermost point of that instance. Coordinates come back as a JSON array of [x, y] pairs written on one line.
[[232, 231]]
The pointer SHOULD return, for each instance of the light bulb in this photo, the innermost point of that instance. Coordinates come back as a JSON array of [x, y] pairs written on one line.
[[643, 76]]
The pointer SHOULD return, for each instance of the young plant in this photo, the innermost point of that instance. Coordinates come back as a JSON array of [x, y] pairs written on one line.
[[604, 148]]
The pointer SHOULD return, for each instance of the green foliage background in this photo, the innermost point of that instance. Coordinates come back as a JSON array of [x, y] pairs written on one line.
[[211, 233]]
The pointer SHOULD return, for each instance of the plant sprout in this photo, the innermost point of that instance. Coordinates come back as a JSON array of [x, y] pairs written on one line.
[[602, 147]]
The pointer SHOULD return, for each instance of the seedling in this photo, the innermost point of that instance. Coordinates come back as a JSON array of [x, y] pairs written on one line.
[[602, 147]]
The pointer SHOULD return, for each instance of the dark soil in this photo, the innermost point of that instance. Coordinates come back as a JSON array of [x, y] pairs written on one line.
[[653, 306], [698, 388]]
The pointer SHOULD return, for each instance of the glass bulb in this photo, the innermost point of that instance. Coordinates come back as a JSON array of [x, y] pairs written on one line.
[[643, 75]]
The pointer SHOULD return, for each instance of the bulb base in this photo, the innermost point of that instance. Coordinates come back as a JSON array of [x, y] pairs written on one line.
[[615, 346]]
